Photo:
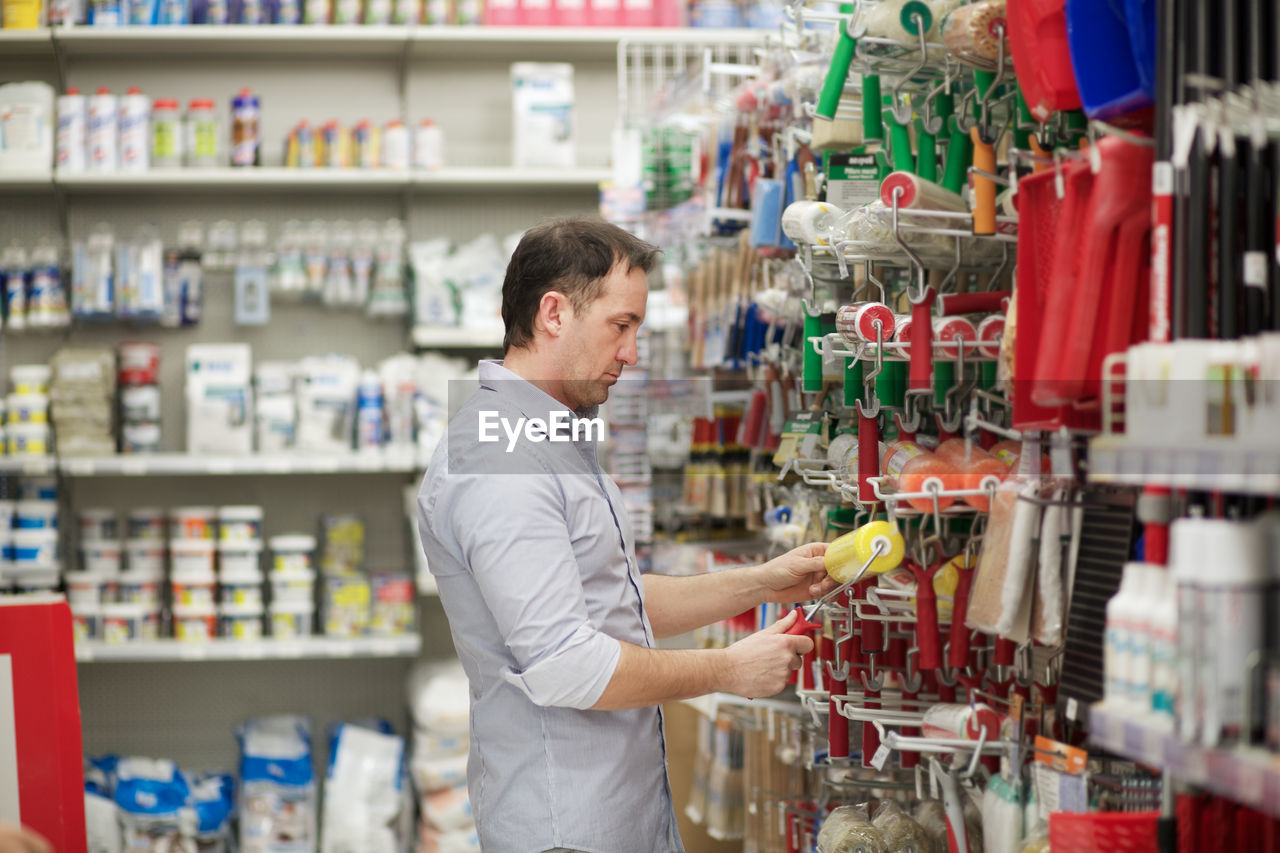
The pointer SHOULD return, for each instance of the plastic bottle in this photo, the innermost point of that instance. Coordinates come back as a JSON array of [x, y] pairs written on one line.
[[977, 468], [1150, 580], [166, 134], [103, 122], [1117, 638], [428, 146], [73, 119], [47, 296], [1186, 561], [1163, 626], [915, 469], [1233, 609], [369, 411], [202, 134], [13, 267], [135, 131]]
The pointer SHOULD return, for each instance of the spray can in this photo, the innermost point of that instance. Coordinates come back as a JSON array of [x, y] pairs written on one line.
[[135, 123], [103, 118], [369, 411], [246, 133], [73, 115]]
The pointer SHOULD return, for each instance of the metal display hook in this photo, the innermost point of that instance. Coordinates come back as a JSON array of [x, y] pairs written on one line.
[[931, 123], [900, 109]]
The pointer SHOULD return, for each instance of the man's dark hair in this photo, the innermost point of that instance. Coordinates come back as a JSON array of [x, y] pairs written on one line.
[[572, 256]]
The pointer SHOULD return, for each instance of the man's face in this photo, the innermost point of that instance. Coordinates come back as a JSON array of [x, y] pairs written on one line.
[[600, 340]]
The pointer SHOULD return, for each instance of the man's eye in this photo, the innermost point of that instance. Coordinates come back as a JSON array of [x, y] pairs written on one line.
[[622, 327]]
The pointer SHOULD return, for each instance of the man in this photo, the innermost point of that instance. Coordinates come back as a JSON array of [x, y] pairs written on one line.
[[535, 560]]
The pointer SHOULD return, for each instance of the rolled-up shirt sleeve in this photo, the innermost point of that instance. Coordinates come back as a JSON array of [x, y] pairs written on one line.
[[513, 535]]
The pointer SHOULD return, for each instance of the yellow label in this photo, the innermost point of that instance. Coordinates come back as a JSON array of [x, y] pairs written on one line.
[[904, 454]]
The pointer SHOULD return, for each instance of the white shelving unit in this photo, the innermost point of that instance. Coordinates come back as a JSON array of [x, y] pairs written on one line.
[[498, 179], [1231, 466], [222, 649], [186, 464], [29, 466], [442, 337], [1244, 774]]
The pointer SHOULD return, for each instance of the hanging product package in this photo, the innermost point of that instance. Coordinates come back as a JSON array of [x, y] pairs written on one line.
[[213, 797], [848, 830], [1000, 602], [1002, 817], [1049, 605], [901, 833], [932, 817], [102, 827], [153, 802], [364, 791], [278, 797]]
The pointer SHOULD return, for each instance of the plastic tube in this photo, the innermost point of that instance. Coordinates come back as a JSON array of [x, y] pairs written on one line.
[[915, 469], [991, 332], [977, 468], [951, 330]]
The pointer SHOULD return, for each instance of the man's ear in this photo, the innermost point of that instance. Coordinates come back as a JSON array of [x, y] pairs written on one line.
[[554, 309]]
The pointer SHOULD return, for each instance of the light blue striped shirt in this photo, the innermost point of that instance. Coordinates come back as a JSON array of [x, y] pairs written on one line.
[[535, 561]]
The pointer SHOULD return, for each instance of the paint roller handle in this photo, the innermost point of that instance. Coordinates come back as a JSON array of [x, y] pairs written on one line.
[[922, 342], [973, 303], [837, 74], [958, 639], [927, 639], [984, 189], [959, 155]]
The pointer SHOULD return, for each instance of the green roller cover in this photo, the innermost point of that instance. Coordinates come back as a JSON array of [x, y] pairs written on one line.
[[944, 376], [899, 139], [959, 157], [852, 381], [812, 375], [872, 127], [837, 74]]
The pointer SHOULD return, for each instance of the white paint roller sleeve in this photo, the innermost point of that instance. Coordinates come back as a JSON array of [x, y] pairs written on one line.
[[915, 193], [811, 221]]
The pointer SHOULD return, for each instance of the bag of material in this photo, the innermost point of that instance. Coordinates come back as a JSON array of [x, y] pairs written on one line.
[[848, 830]]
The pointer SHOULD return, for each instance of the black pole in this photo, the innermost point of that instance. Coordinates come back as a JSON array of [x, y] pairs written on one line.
[[1230, 299]]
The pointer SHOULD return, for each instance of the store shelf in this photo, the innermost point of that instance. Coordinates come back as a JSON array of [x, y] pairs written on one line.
[[202, 41], [444, 337], [384, 42], [186, 464], [509, 179], [265, 649], [24, 180], [1245, 774], [16, 43], [236, 180], [227, 179], [1226, 466], [31, 466]]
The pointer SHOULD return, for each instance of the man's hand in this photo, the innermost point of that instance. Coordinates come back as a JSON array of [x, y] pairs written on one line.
[[17, 839], [759, 665], [798, 575]]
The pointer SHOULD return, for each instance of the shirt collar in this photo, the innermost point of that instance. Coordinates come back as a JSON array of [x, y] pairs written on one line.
[[532, 400]]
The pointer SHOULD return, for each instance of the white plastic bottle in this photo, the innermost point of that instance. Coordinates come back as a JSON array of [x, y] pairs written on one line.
[[1117, 637], [73, 118], [135, 131], [1186, 554], [1150, 579], [1163, 624], [103, 122], [1233, 622]]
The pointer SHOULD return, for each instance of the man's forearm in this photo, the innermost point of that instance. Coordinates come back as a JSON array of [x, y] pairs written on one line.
[[653, 676], [679, 604]]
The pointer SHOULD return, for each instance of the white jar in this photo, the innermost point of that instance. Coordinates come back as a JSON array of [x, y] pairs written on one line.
[[101, 557], [241, 524], [192, 555]]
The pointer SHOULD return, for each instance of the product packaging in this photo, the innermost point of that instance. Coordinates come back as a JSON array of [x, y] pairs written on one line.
[[278, 802], [543, 125]]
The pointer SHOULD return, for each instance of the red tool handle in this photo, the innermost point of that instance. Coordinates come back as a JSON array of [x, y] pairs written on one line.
[[927, 638], [946, 692], [1004, 652], [973, 303], [895, 657], [870, 631], [837, 725], [802, 625], [793, 833], [868, 455], [903, 433], [921, 372], [870, 734], [958, 650], [908, 758], [943, 432], [806, 664]]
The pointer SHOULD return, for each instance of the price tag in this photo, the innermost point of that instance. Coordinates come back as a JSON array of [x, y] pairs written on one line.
[[276, 465], [191, 651], [342, 649], [252, 651], [83, 652], [133, 467], [881, 756], [368, 462], [221, 466], [384, 649], [1073, 709], [291, 650], [1255, 269], [326, 465], [1250, 781]]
